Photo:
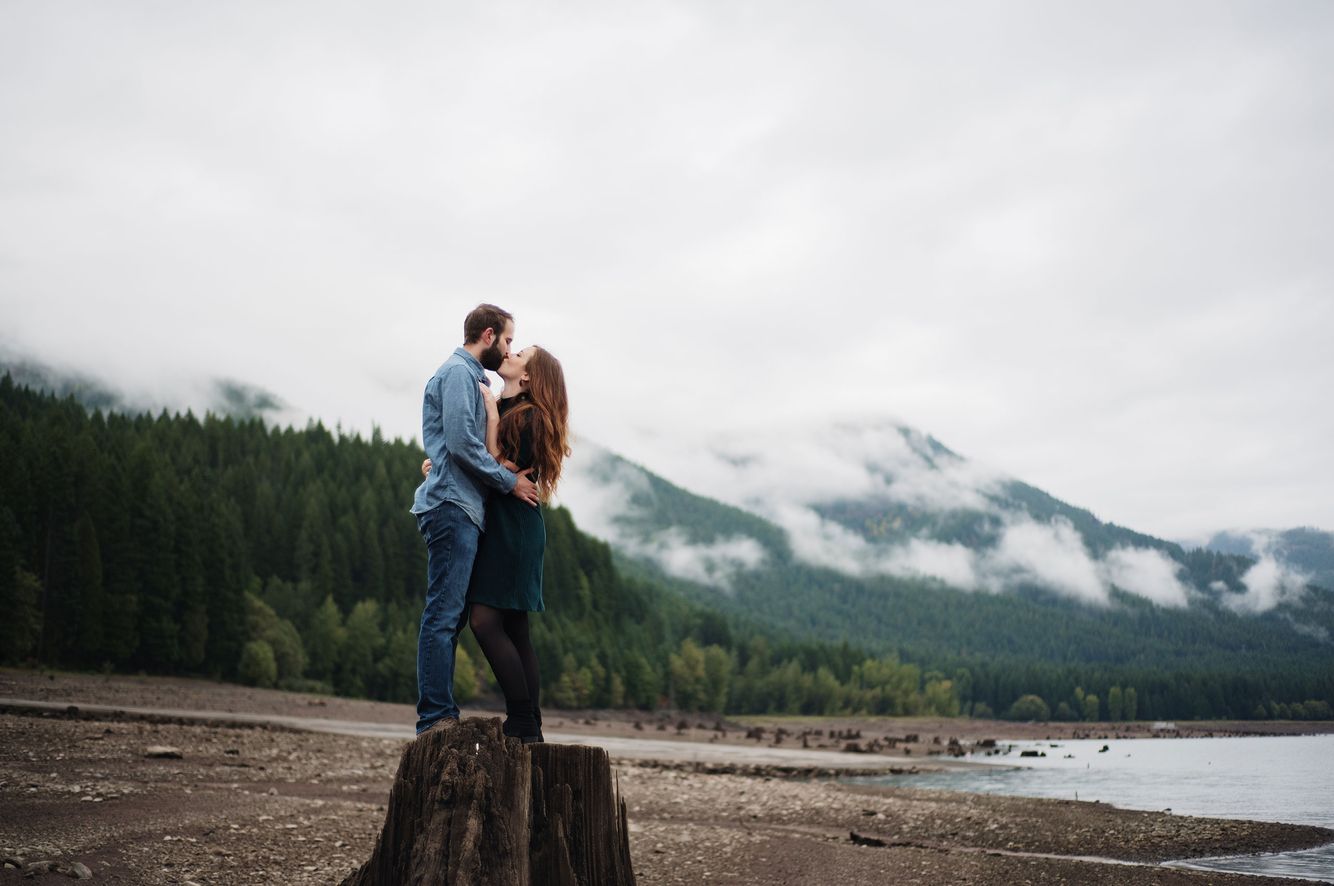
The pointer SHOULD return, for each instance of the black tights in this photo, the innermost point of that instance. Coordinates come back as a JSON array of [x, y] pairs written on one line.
[[503, 636]]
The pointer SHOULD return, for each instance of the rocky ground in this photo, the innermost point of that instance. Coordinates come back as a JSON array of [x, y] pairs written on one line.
[[221, 805]]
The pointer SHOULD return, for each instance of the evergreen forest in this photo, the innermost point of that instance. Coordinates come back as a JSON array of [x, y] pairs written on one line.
[[228, 548]]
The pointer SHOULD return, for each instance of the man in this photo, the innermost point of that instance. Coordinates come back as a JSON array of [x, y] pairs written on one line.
[[450, 503]]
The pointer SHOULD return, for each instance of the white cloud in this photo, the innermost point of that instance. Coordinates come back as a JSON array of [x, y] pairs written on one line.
[[606, 495], [1051, 555], [1147, 573], [822, 542], [709, 563], [1268, 583], [953, 564]]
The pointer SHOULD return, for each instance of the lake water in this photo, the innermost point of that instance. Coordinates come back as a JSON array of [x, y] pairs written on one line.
[[1289, 779]]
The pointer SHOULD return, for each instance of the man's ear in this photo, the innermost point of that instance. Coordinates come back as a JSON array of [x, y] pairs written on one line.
[[488, 337]]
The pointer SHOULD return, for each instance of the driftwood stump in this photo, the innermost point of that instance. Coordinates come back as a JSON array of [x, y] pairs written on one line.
[[470, 806]]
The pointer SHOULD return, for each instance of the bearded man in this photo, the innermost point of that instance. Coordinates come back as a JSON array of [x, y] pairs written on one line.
[[450, 503]]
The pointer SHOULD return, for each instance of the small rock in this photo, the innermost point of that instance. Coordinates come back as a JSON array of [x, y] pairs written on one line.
[[163, 752], [78, 870]]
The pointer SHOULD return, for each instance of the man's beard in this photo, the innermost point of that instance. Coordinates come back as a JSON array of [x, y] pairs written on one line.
[[492, 357]]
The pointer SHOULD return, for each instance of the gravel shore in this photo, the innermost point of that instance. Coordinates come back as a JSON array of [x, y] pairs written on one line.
[[224, 805]]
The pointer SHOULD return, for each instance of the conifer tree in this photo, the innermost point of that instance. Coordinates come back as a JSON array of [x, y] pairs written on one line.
[[90, 592]]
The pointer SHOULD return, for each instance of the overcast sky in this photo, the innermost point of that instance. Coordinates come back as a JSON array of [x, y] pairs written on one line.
[[1088, 245]]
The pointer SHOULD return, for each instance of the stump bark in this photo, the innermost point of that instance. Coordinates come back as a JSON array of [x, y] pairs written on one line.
[[470, 806]]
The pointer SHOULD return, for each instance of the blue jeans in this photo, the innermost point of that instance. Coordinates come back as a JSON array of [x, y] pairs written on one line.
[[451, 544]]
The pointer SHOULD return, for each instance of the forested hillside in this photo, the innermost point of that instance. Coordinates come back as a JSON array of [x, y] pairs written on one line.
[[1201, 660], [1305, 549], [227, 548]]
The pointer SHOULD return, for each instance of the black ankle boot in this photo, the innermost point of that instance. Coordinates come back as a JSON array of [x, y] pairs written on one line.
[[520, 722]]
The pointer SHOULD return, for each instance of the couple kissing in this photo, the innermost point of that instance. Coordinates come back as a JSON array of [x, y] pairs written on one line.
[[490, 462]]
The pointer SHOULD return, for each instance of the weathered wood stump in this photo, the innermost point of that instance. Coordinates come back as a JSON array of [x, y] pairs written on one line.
[[469, 806]]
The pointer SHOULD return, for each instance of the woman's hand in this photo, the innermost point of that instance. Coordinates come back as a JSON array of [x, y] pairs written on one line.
[[492, 408], [492, 420], [426, 467]]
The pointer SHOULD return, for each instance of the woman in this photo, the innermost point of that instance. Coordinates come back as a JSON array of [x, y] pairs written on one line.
[[527, 430]]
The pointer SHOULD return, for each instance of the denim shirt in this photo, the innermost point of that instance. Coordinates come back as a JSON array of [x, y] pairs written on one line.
[[454, 434]]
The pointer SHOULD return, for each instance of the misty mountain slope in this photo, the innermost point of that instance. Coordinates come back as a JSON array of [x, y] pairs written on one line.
[[220, 396], [926, 621], [749, 567], [1305, 550], [885, 518], [879, 499], [91, 393]]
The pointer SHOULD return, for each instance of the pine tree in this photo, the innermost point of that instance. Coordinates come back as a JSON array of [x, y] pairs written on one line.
[[362, 643], [20, 628], [91, 609], [153, 543], [192, 601], [1114, 703], [224, 572], [324, 640]]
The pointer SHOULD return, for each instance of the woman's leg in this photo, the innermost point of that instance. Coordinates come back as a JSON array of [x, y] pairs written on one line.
[[488, 625], [516, 627]]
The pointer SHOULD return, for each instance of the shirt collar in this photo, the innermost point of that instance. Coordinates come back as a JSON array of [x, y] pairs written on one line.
[[472, 361]]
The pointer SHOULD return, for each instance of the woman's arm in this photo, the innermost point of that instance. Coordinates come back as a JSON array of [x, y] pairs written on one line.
[[492, 432], [492, 421]]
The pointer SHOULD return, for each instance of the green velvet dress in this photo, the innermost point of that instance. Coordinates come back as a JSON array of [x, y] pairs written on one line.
[[507, 573]]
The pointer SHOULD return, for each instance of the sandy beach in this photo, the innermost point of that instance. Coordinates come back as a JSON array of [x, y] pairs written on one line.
[[231, 804]]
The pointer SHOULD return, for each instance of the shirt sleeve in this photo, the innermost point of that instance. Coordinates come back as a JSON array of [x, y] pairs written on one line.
[[463, 439]]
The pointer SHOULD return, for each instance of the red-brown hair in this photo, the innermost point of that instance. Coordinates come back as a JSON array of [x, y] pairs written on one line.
[[547, 411]]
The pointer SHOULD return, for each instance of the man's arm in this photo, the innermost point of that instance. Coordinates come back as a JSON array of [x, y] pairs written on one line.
[[463, 438]]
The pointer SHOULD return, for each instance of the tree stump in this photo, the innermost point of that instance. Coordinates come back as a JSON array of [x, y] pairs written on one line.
[[470, 806]]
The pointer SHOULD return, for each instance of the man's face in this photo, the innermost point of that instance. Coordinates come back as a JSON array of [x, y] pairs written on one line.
[[494, 355]]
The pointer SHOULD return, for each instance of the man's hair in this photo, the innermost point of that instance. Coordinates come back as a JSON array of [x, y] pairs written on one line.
[[482, 318]]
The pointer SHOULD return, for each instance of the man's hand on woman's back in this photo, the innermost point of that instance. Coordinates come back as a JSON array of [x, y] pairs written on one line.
[[525, 488]]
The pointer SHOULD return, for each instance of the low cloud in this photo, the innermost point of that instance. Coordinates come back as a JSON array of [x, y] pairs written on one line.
[[879, 461], [954, 564], [1270, 581], [1268, 584], [1048, 554], [608, 497], [1147, 573], [712, 564]]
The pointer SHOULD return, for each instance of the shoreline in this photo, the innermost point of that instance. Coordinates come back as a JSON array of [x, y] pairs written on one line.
[[779, 730]]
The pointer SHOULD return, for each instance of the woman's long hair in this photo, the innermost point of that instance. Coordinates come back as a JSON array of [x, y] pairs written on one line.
[[546, 410]]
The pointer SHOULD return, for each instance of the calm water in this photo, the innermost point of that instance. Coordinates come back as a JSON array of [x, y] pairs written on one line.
[[1288, 779]]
